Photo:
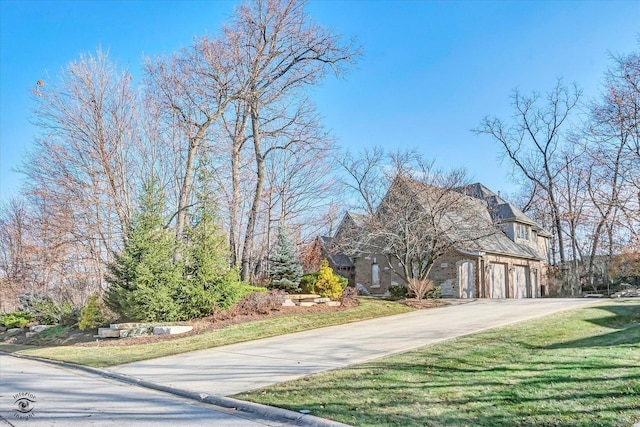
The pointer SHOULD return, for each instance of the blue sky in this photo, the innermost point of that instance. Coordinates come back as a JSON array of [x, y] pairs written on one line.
[[431, 71]]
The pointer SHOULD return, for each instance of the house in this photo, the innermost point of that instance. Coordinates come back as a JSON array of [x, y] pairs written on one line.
[[477, 244]]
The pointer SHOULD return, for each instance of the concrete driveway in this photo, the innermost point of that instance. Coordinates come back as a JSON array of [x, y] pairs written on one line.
[[247, 366], [57, 396]]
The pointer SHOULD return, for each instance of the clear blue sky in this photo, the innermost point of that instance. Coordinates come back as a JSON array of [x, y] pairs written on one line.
[[431, 71]]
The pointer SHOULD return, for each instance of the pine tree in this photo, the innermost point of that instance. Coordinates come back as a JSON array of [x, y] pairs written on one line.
[[144, 279], [210, 282], [285, 270]]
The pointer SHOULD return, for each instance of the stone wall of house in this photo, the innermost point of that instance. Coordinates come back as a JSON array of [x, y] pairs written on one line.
[[387, 273], [446, 274]]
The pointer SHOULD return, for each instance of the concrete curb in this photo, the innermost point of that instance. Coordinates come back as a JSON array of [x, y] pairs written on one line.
[[270, 412]]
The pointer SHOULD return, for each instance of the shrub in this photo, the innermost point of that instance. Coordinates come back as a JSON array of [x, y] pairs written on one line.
[[398, 291], [344, 282], [69, 314], [45, 311], [17, 319], [436, 292], [261, 302], [95, 314], [419, 288], [328, 284], [308, 283]]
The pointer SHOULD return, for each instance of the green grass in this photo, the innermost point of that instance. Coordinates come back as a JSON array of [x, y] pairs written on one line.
[[576, 368], [109, 356]]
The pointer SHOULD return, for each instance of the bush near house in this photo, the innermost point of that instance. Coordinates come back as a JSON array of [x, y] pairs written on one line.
[[308, 283], [398, 291], [329, 284], [324, 282], [419, 288]]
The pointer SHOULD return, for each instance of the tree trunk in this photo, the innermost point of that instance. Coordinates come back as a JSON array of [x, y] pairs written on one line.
[[187, 180], [253, 213]]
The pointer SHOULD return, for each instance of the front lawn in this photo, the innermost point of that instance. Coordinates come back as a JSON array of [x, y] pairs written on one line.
[[576, 368], [98, 356]]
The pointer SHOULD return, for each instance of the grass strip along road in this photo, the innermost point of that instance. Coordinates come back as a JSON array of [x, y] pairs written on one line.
[[576, 368]]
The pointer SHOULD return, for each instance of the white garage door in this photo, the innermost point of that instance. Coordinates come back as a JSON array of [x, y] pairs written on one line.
[[520, 273], [466, 279], [498, 282]]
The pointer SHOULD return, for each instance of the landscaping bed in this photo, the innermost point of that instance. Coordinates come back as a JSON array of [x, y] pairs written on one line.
[[221, 329], [76, 337]]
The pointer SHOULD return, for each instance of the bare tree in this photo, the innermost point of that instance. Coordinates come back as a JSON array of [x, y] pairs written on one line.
[[279, 52], [87, 122], [192, 89], [533, 140]]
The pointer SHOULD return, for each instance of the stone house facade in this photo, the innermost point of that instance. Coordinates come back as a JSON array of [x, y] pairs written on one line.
[[510, 263]]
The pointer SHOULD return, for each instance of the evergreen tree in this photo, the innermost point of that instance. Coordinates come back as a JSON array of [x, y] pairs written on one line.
[[144, 279], [285, 270], [210, 283]]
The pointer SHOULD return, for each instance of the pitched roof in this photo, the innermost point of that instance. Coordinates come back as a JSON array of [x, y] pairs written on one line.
[[503, 210], [337, 259], [470, 221]]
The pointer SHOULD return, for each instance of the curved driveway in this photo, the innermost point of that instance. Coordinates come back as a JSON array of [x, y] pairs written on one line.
[[246, 366]]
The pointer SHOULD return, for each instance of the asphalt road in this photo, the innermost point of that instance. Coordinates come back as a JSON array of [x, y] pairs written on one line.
[[57, 396], [247, 366]]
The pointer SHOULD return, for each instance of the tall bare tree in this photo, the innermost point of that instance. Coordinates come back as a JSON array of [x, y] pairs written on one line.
[[280, 51], [532, 143], [192, 89]]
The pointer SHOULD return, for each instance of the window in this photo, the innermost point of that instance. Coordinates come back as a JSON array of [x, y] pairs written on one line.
[[522, 231]]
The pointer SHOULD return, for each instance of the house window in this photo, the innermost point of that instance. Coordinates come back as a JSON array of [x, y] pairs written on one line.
[[522, 231]]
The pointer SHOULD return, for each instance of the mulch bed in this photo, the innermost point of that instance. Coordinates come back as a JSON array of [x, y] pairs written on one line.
[[421, 304], [217, 321]]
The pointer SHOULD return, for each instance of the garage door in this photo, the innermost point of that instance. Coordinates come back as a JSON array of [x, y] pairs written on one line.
[[467, 280], [520, 273], [498, 280]]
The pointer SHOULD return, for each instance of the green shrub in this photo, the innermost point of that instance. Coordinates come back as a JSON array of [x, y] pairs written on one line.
[[17, 319], [95, 314], [308, 283], [436, 292], [46, 312], [69, 314], [58, 331], [344, 282], [397, 291], [328, 284]]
